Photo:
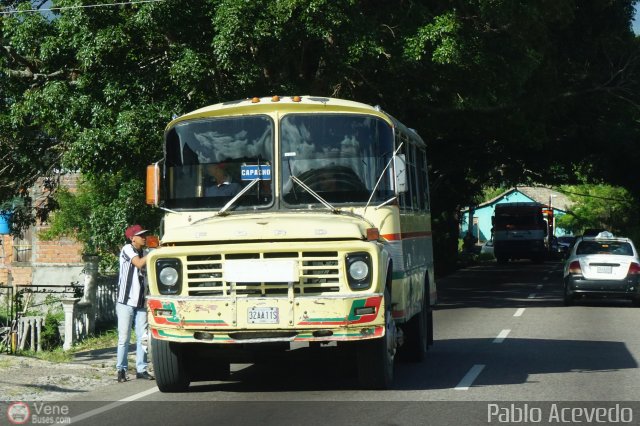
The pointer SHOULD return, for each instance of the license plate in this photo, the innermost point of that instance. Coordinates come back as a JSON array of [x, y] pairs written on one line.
[[604, 269], [263, 315]]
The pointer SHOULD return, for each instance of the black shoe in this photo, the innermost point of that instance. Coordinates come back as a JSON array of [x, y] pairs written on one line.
[[144, 375], [122, 376]]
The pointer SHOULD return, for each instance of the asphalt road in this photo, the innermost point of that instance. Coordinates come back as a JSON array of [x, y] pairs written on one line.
[[506, 351]]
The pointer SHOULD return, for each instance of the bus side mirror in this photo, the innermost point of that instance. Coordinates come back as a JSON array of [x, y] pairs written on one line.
[[153, 185], [400, 170]]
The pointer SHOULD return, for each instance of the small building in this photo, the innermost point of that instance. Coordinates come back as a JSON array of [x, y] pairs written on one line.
[[483, 212], [32, 261]]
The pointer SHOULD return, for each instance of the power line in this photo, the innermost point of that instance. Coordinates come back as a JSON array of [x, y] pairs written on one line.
[[86, 6], [563, 191]]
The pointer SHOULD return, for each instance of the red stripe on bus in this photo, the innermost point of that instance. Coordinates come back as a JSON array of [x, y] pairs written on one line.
[[406, 235]]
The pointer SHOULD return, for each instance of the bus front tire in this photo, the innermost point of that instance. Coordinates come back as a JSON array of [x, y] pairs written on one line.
[[376, 357], [169, 367]]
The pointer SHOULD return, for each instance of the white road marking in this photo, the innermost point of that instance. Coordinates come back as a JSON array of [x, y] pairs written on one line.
[[532, 296], [503, 335], [113, 405], [468, 379], [519, 312]]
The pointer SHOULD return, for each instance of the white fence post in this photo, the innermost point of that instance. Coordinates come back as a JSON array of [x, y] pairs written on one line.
[[69, 307], [39, 327], [89, 299], [30, 331]]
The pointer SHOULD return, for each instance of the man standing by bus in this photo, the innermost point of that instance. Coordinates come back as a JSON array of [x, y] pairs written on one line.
[[131, 309]]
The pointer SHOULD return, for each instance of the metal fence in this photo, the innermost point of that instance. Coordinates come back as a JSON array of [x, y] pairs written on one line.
[[20, 332], [106, 297]]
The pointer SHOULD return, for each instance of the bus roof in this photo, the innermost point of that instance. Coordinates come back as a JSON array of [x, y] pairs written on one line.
[[285, 104]]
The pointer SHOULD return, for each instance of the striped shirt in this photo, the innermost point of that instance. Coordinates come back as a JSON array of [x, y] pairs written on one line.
[[131, 279]]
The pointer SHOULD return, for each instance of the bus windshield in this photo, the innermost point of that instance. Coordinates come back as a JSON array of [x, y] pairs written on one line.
[[338, 156], [519, 219], [209, 161]]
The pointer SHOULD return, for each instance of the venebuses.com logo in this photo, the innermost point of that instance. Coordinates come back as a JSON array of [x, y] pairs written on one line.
[[19, 413]]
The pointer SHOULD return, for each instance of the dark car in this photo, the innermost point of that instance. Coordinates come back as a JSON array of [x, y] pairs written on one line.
[[564, 244]]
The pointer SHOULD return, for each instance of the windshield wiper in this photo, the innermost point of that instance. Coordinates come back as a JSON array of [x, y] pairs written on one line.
[[327, 204], [223, 210], [314, 193], [293, 187], [238, 195]]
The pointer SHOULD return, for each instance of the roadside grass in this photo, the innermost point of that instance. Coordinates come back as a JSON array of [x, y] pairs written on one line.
[[103, 339]]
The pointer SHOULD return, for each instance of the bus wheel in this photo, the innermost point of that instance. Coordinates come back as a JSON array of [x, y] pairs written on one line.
[[375, 357], [168, 365], [416, 335]]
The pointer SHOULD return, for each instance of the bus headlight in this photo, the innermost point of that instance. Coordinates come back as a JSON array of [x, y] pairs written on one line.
[[168, 276], [359, 270]]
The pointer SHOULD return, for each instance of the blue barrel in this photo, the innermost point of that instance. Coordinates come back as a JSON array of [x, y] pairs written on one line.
[[5, 222]]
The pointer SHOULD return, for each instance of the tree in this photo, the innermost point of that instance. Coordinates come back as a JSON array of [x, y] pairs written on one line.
[[601, 206], [503, 92], [98, 213]]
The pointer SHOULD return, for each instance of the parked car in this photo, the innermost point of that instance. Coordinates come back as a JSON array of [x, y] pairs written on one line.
[[603, 265], [564, 244], [487, 248]]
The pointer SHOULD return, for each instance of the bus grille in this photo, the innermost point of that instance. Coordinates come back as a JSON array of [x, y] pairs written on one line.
[[319, 274]]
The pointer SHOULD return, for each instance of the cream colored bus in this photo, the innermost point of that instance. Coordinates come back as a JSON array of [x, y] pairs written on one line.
[[290, 222]]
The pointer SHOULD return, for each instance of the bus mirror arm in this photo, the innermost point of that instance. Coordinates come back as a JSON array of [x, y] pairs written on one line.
[[395, 197], [373, 191], [167, 210]]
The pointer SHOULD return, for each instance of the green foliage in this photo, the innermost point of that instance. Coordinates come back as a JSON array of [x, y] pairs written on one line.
[[489, 193], [107, 338], [104, 339], [53, 355], [98, 213], [602, 206], [50, 335], [504, 92], [442, 35]]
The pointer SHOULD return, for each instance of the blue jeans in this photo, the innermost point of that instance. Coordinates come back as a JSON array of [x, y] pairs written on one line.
[[127, 316]]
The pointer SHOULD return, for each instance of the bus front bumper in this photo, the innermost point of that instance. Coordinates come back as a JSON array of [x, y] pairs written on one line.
[[256, 320]]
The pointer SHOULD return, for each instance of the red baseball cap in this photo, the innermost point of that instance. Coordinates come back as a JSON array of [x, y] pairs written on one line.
[[134, 230]]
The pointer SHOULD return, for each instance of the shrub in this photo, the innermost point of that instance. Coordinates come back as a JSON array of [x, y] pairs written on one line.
[[50, 335]]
